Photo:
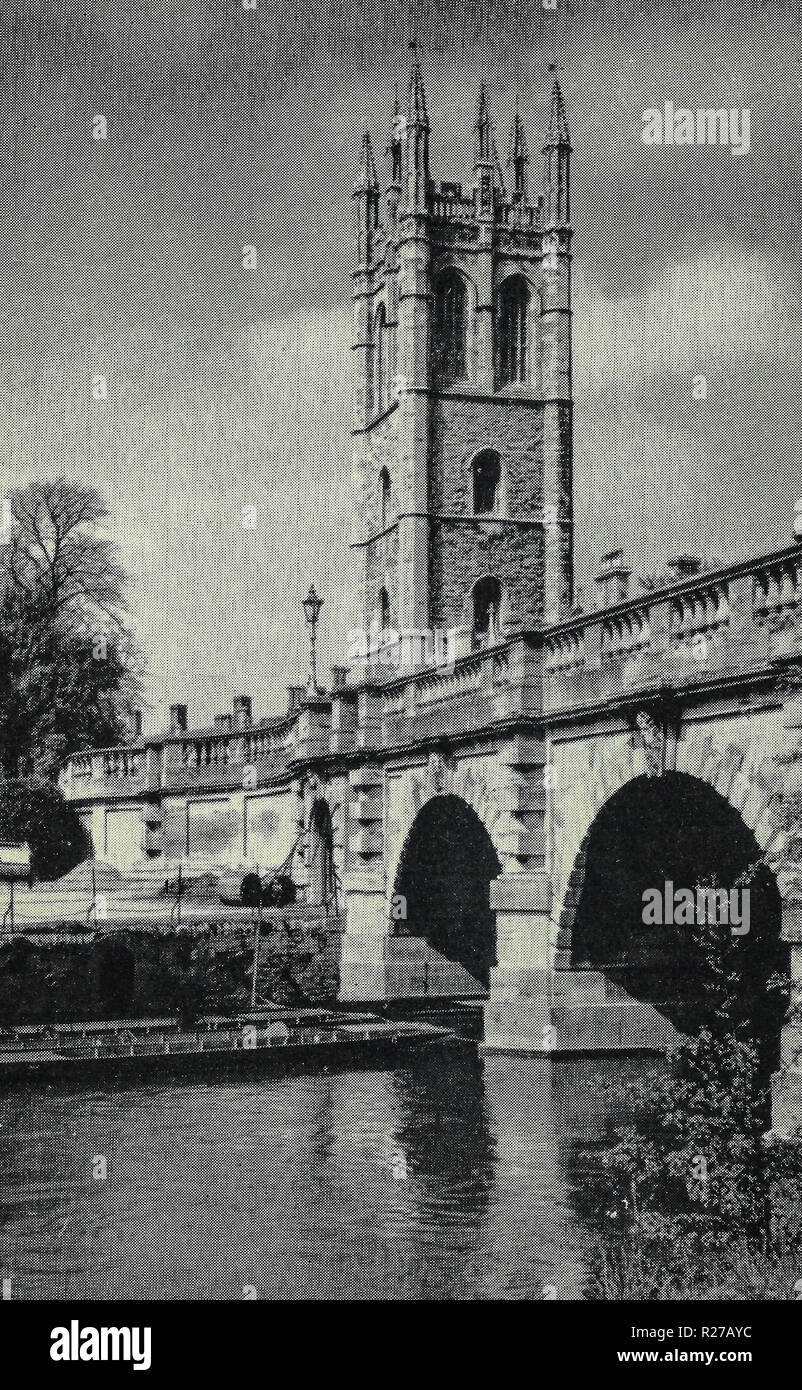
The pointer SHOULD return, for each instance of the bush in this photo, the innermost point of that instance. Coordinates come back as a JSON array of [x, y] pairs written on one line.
[[694, 1194], [33, 809]]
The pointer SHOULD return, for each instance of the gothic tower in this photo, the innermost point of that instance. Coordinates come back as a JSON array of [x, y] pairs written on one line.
[[462, 348]]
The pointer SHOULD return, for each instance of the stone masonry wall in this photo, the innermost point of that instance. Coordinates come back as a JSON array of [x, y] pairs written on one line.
[[140, 972], [459, 554]]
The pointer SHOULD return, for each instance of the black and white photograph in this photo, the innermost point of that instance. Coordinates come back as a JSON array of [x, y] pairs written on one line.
[[401, 662]]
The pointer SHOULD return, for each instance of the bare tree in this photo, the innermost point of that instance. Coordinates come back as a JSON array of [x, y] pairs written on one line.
[[69, 667], [55, 560]]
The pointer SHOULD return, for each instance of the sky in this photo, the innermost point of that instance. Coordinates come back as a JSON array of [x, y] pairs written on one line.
[[230, 388]]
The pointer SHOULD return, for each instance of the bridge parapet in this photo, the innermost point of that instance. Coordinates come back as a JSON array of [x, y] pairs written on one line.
[[718, 626], [199, 759], [736, 621]]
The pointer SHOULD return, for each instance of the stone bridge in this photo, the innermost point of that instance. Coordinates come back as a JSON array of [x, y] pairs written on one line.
[[497, 822]]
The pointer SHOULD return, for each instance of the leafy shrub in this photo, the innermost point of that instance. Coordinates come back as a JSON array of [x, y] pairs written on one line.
[[33, 809]]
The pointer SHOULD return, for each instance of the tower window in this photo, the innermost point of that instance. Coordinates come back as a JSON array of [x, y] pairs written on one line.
[[486, 604], [513, 331], [379, 363], [385, 499], [384, 610], [486, 483], [451, 326]]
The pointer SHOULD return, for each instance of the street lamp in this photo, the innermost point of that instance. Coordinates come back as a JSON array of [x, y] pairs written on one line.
[[312, 606]]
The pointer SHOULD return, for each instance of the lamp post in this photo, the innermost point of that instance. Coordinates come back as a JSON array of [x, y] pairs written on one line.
[[312, 606]]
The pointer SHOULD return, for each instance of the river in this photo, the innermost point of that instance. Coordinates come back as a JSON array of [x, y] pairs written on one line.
[[447, 1177]]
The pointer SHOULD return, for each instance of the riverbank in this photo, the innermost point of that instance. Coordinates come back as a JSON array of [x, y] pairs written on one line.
[[144, 970], [620, 1272]]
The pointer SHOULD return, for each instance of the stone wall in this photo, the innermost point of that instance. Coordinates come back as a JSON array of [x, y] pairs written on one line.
[[140, 972], [462, 554]]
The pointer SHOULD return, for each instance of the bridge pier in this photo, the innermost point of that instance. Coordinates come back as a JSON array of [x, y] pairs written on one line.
[[538, 1004], [376, 965]]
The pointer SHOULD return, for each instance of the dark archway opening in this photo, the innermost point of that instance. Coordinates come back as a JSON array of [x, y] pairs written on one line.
[[676, 830], [115, 978], [320, 856], [445, 873]]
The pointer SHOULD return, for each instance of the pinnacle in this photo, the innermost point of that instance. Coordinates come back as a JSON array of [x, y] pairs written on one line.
[[558, 125], [417, 97], [518, 146], [482, 131], [366, 177]]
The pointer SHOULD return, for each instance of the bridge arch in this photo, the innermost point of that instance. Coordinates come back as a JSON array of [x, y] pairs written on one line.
[[662, 835], [443, 875], [755, 789]]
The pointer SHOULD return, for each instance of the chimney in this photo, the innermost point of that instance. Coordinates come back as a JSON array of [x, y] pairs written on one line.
[[242, 711], [683, 567], [339, 675], [613, 580], [222, 722], [136, 723], [295, 695], [178, 719]]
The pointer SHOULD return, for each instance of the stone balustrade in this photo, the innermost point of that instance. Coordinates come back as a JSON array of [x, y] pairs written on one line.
[[700, 613], [622, 637], [519, 215], [702, 628], [190, 760], [452, 208], [777, 589]]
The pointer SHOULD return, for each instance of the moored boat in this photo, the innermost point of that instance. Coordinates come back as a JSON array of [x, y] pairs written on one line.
[[139, 1048]]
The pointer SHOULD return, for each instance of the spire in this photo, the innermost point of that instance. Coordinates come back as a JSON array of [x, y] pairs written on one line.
[[557, 165], [395, 148], [498, 174], [558, 126], [519, 158], [366, 196], [483, 153], [417, 99], [416, 153], [366, 181]]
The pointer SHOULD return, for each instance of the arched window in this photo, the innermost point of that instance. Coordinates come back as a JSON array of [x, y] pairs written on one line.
[[451, 326], [486, 483], [486, 604], [385, 499], [379, 363], [513, 331]]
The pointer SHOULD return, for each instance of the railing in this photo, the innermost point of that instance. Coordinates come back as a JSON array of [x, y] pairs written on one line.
[[565, 652], [750, 612], [205, 752], [260, 743], [731, 615], [704, 612], [777, 590], [518, 215], [624, 637], [446, 685], [176, 755], [452, 209], [122, 763]]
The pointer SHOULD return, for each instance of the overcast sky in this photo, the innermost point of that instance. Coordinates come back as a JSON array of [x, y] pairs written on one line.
[[230, 128]]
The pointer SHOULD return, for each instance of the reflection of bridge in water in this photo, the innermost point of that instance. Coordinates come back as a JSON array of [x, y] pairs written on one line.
[[448, 1178]]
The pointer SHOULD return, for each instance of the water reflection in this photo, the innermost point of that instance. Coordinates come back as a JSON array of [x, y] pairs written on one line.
[[449, 1178]]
